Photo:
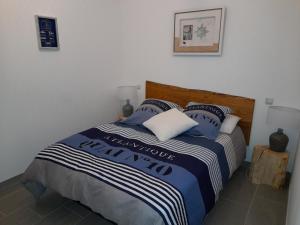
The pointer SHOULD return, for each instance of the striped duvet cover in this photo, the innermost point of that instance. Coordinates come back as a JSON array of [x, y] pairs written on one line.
[[127, 175]]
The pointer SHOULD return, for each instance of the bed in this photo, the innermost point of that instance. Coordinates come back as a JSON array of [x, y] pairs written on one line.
[[124, 173]]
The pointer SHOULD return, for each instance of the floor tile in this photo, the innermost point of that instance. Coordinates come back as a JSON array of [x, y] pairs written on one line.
[[226, 212], [11, 181], [17, 199], [270, 193], [61, 216], [48, 203], [266, 212], [77, 208], [1, 215], [94, 219], [10, 185], [24, 216], [239, 188]]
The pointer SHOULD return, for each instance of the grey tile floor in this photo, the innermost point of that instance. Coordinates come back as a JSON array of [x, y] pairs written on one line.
[[240, 203]]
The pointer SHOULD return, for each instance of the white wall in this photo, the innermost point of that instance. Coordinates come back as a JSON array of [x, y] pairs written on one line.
[[47, 95], [260, 56], [293, 216]]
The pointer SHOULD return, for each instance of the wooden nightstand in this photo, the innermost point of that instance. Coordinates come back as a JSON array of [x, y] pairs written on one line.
[[268, 167], [121, 118]]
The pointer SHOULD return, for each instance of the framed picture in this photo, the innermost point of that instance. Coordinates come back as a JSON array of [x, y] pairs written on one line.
[[199, 32], [47, 32]]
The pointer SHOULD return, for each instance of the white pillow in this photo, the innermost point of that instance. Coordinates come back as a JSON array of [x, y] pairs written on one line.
[[169, 124], [229, 123]]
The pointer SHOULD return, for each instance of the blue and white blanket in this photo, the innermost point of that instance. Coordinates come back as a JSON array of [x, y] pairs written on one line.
[[179, 179]]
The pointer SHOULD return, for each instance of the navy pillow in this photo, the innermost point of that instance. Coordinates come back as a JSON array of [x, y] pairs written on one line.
[[210, 118], [150, 107]]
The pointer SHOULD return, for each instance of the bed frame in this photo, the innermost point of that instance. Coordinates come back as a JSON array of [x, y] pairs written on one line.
[[242, 107]]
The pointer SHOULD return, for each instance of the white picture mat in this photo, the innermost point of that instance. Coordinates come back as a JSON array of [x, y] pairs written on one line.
[[210, 33]]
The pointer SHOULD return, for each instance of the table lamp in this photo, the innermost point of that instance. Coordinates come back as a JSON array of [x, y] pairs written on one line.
[[128, 97], [282, 117]]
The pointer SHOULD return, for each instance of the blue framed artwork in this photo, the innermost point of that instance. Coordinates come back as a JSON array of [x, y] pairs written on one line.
[[47, 32]]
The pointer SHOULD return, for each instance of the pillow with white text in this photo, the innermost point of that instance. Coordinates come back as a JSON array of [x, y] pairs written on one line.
[[149, 108], [209, 117]]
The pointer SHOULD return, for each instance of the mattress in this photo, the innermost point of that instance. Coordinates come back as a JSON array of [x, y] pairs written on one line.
[[124, 173]]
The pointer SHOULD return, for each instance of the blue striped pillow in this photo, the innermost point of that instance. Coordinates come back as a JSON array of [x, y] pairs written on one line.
[[210, 118], [149, 108]]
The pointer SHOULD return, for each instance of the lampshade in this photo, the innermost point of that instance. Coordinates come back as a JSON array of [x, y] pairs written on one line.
[[283, 117], [127, 92]]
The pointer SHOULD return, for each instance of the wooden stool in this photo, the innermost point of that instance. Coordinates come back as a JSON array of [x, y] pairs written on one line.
[[268, 167]]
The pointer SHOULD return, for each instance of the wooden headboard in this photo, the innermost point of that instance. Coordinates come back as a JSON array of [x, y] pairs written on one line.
[[242, 107]]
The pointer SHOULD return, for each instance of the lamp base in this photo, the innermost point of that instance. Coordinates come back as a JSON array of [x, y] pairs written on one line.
[[127, 109], [278, 141]]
